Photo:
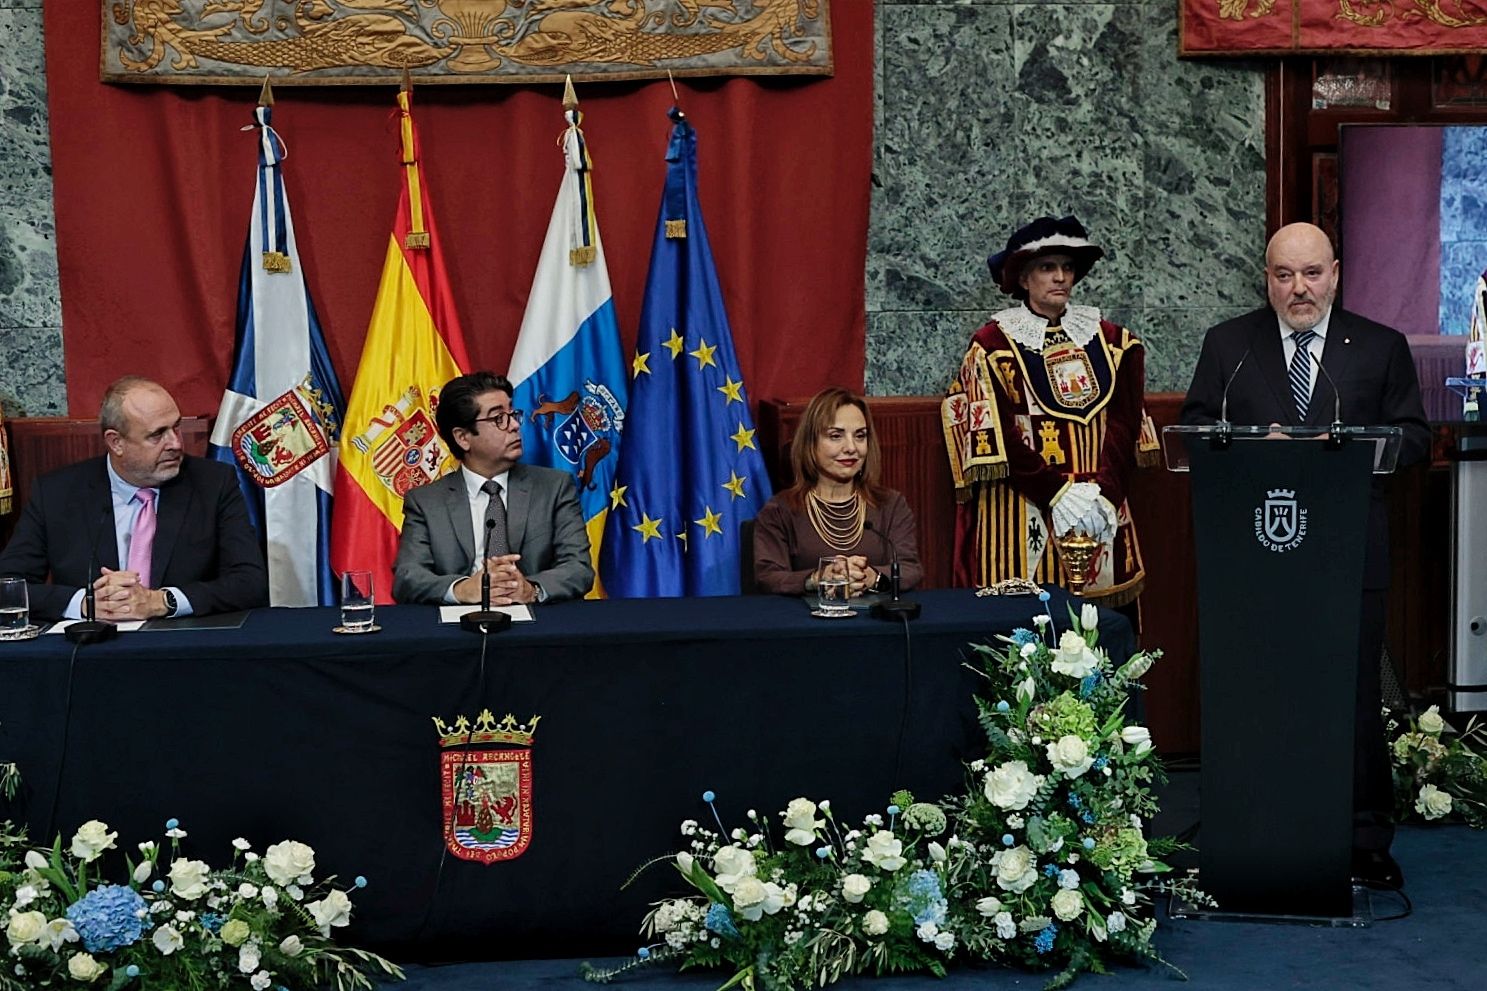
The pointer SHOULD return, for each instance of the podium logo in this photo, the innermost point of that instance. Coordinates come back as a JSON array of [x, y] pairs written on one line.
[[1280, 524]]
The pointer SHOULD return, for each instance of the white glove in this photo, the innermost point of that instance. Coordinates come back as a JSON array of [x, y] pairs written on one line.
[[1083, 508]]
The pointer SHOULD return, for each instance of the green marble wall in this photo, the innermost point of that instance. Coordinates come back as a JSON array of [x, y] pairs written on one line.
[[994, 112], [988, 113]]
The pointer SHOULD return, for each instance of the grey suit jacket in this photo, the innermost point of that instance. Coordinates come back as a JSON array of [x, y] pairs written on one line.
[[543, 524]]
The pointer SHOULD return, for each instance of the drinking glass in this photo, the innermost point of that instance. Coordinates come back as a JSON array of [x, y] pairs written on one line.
[[15, 609], [357, 603], [832, 587]]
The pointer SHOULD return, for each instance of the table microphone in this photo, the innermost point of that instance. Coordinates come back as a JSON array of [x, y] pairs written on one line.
[[485, 621], [90, 629], [895, 607]]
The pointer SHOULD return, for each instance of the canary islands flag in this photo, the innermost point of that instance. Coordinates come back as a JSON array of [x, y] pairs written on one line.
[[280, 418], [568, 370], [413, 346], [690, 472]]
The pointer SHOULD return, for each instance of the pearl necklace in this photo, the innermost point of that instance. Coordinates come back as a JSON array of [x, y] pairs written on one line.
[[838, 524]]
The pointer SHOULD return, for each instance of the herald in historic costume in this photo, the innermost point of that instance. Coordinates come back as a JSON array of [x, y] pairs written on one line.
[[486, 789]]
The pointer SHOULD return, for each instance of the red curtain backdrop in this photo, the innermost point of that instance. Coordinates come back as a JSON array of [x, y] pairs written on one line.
[[153, 186], [1292, 27]]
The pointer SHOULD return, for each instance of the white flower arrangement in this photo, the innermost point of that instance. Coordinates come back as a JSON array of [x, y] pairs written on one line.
[[260, 922], [1439, 775], [1041, 862]]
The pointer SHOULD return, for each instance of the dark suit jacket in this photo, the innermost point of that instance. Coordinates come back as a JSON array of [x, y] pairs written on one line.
[[1375, 376], [543, 524], [204, 543]]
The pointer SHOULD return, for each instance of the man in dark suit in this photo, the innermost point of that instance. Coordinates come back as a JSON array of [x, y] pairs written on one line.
[[539, 547], [157, 533], [1267, 363]]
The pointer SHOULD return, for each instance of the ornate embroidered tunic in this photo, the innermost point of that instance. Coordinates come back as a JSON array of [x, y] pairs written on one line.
[[1034, 408]]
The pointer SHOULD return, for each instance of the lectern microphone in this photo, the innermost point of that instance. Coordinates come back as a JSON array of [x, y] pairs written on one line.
[[485, 620], [896, 607], [1221, 436]]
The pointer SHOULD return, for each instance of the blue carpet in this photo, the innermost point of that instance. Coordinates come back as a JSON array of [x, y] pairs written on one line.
[[1438, 946]]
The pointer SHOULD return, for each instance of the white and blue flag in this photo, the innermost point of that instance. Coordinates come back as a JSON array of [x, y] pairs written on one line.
[[280, 419], [568, 369]]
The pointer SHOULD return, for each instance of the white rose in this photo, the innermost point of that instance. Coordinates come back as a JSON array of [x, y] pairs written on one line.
[[188, 878], [732, 865], [167, 940], [332, 910], [1433, 803], [291, 946], [1070, 754], [927, 932], [748, 896], [26, 927], [1115, 922], [260, 980], [1011, 786], [801, 822], [249, 956], [1067, 904], [989, 906], [945, 942], [82, 967], [1430, 721], [1016, 869], [855, 888], [875, 923], [91, 839], [288, 862], [1074, 658], [1006, 926], [1089, 616], [883, 851]]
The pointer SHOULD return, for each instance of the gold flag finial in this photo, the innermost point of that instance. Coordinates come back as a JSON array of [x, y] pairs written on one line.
[[266, 95], [570, 98]]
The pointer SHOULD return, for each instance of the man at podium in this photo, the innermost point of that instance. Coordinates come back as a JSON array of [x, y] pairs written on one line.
[[1302, 361]]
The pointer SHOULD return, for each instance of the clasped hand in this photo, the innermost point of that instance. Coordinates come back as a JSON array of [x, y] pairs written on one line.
[[861, 576], [508, 584], [118, 596]]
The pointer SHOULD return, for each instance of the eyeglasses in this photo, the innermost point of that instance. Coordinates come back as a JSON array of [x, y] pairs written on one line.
[[504, 419]]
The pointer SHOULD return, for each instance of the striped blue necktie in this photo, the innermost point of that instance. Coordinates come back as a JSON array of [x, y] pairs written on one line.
[[1301, 372]]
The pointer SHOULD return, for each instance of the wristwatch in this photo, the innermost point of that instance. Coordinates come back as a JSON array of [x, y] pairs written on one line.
[[541, 593], [170, 602]]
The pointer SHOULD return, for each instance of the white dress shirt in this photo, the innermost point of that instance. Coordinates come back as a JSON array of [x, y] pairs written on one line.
[[1318, 343]]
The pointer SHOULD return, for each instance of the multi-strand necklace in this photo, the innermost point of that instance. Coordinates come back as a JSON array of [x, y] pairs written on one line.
[[838, 524]]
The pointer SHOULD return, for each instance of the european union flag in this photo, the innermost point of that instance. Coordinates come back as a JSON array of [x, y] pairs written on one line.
[[690, 471]]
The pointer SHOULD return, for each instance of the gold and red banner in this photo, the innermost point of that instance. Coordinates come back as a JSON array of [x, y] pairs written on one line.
[[1332, 27], [389, 442]]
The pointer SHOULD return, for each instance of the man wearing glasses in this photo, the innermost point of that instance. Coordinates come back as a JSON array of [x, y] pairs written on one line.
[[528, 516]]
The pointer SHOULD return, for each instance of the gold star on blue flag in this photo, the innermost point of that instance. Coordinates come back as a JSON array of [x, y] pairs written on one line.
[[688, 431]]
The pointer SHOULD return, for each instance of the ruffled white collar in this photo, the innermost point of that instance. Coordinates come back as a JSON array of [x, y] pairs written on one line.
[[1022, 325]]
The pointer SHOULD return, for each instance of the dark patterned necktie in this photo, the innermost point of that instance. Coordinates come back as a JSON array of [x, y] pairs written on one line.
[[495, 519], [1301, 371]]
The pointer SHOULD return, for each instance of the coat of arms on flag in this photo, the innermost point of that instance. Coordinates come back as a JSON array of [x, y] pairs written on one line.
[[404, 444], [487, 790], [286, 436]]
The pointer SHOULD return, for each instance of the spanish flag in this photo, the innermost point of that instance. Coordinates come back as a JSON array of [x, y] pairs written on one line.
[[389, 443]]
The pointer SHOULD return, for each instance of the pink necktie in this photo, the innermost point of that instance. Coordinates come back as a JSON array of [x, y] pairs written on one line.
[[142, 541]]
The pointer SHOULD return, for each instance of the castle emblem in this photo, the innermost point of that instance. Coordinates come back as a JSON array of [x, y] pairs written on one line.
[[487, 790]]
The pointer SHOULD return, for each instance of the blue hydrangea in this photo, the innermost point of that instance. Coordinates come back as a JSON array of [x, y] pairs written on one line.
[[1088, 684], [108, 917], [921, 897], [719, 920], [1087, 818], [1075, 802], [1044, 942], [1023, 637], [1100, 762], [212, 922], [1050, 870]]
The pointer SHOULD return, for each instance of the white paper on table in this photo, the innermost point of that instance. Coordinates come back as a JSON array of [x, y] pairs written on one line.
[[518, 612], [126, 627]]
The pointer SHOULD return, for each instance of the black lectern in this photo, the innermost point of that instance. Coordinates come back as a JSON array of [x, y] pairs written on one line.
[[1279, 518]]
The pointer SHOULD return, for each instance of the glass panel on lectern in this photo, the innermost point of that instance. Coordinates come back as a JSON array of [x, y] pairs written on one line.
[[1177, 440]]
